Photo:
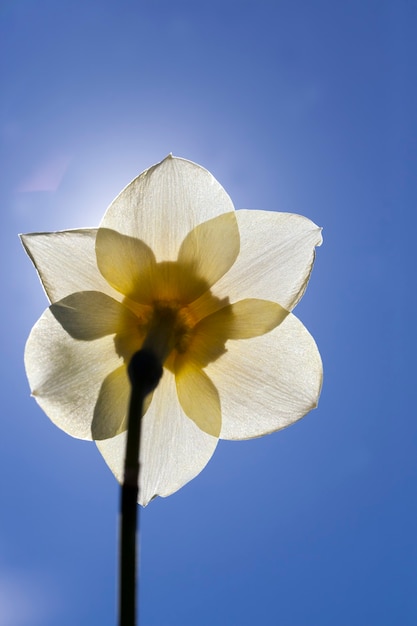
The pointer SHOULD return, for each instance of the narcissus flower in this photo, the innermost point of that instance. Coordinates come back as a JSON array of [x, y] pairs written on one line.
[[209, 289]]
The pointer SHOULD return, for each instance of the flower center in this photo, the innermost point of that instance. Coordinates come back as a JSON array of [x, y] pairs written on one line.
[[175, 301], [170, 327]]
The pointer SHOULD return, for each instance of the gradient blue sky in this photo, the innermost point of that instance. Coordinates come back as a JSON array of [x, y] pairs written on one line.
[[295, 106]]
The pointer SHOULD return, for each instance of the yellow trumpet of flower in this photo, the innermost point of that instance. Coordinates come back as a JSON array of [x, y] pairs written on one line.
[[173, 267]]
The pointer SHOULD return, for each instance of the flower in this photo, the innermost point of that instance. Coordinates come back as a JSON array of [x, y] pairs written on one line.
[[209, 288]]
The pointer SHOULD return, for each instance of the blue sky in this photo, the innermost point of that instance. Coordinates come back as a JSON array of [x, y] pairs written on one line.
[[299, 106]]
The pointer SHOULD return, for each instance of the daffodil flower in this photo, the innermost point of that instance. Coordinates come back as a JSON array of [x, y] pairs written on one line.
[[210, 290]]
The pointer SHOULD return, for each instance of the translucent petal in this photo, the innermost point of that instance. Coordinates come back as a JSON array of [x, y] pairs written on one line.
[[66, 262], [126, 263], [66, 375], [211, 248], [199, 398], [130, 267], [275, 260], [268, 382], [173, 449], [244, 319], [163, 204], [110, 411], [89, 315], [241, 320]]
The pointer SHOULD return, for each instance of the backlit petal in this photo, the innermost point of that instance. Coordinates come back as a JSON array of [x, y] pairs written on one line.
[[163, 204], [89, 315], [66, 262], [66, 375], [211, 248], [199, 398], [244, 319], [241, 320], [268, 382], [110, 412], [129, 266], [275, 260], [173, 449]]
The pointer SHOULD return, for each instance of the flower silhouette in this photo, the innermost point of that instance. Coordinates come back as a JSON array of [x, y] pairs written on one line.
[[174, 268]]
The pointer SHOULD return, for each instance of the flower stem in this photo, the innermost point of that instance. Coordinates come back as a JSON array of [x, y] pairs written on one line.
[[145, 371]]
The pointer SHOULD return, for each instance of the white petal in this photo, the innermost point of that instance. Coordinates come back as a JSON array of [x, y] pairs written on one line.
[[66, 262], [173, 449], [66, 375], [275, 260], [268, 382], [164, 203]]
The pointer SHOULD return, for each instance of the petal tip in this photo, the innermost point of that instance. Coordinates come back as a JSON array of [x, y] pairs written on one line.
[[320, 239]]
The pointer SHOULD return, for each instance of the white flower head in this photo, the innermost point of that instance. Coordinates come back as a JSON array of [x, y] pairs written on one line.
[[172, 253]]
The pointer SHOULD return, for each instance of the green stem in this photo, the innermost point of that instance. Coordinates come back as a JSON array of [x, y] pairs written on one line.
[[145, 371]]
